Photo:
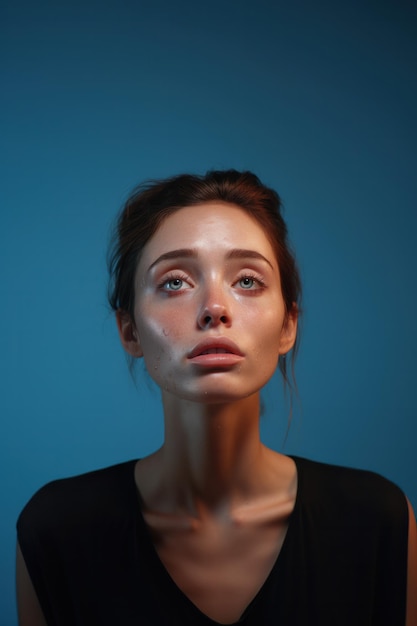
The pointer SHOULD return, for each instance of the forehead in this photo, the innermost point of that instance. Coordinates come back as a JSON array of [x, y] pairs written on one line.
[[209, 226]]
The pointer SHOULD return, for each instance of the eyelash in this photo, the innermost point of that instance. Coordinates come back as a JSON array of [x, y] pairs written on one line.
[[170, 278], [256, 279]]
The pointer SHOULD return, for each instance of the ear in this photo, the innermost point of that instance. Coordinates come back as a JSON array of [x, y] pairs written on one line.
[[128, 333], [289, 330]]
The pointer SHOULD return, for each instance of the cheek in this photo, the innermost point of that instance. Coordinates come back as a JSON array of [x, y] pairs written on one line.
[[268, 318], [268, 329], [158, 332]]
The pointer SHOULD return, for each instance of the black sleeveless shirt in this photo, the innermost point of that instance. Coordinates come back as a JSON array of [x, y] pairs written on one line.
[[343, 562]]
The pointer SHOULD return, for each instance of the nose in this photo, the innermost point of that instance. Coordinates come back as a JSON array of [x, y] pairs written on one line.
[[214, 310]]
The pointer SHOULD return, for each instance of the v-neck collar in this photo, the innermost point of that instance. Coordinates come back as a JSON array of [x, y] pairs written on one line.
[[170, 589]]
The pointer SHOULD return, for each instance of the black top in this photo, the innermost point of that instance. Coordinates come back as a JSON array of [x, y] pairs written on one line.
[[343, 562]]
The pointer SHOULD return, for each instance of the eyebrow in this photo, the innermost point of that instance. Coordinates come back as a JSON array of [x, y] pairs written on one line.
[[187, 253]]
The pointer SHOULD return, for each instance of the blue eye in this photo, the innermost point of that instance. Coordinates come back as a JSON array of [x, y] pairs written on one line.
[[247, 282], [174, 284]]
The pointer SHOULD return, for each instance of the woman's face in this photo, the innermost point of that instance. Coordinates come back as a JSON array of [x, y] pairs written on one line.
[[209, 316]]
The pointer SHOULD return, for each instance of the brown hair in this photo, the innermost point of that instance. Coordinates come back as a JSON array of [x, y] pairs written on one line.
[[152, 202]]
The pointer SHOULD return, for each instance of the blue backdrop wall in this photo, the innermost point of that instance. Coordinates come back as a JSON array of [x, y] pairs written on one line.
[[319, 99]]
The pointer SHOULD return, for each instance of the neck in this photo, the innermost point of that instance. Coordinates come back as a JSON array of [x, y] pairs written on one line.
[[211, 452]]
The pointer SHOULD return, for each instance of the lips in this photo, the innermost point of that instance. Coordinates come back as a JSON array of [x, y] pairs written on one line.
[[216, 351], [215, 346]]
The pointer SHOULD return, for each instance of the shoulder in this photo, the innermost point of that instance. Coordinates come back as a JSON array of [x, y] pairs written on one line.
[[72, 501], [354, 494]]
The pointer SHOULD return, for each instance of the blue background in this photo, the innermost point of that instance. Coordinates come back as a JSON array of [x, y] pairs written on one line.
[[319, 99]]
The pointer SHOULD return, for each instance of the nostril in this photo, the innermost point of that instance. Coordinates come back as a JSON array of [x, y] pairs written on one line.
[[209, 318]]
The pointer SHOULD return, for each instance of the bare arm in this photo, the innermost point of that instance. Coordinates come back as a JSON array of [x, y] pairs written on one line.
[[412, 570], [29, 610]]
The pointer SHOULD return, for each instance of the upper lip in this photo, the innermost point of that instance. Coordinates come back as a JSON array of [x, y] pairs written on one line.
[[212, 343]]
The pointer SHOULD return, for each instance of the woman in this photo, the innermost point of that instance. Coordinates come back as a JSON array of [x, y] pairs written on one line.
[[214, 527]]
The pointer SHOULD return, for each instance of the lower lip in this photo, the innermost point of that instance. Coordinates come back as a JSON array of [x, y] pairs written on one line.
[[218, 359]]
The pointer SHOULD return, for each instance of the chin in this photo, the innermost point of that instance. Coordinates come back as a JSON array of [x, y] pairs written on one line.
[[218, 395]]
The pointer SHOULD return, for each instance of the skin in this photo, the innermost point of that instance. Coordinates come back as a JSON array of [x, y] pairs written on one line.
[[212, 487], [210, 411]]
